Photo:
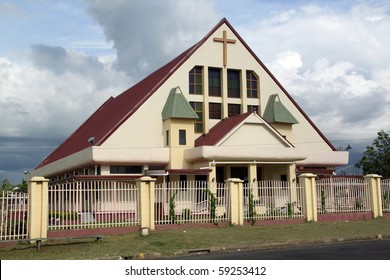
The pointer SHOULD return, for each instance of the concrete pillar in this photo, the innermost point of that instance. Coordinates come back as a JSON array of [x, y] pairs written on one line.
[[146, 202], [374, 185], [236, 207], [307, 180], [38, 207], [291, 173]]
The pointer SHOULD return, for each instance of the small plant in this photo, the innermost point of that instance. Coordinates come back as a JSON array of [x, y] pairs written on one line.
[[358, 204], [213, 205], [290, 209], [251, 206], [63, 215], [323, 200], [172, 205], [385, 201]]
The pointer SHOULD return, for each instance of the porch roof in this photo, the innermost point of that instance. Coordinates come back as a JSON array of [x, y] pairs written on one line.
[[189, 171], [220, 130], [245, 153]]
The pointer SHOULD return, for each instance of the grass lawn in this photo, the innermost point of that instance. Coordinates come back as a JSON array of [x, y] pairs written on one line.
[[168, 242]]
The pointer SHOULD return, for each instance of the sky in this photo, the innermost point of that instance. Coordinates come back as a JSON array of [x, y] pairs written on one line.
[[61, 59]]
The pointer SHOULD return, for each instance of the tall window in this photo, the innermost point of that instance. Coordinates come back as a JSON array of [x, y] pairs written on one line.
[[234, 109], [198, 108], [234, 87], [195, 80], [215, 82], [253, 108], [215, 111], [182, 137], [252, 84]]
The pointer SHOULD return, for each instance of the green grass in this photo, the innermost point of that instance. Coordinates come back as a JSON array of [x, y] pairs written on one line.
[[167, 243]]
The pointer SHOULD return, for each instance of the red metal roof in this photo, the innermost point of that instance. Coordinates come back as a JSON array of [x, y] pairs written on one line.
[[115, 111], [220, 130]]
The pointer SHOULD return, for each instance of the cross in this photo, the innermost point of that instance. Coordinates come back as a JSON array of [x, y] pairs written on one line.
[[225, 41]]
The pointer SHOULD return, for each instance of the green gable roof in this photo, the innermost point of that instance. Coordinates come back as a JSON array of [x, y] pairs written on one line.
[[177, 106], [275, 112]]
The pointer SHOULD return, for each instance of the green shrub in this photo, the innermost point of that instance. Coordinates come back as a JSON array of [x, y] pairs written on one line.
[[63, 215]]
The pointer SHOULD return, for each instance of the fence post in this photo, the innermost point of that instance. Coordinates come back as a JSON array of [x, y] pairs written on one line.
[[38, 207], [236, 207], [374, 185], [146, 202], [307, 180]]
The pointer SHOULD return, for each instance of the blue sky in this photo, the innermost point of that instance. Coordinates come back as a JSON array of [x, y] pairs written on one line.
[[60, 60]]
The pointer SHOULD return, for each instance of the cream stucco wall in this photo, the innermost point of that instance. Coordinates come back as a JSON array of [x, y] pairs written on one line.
[[173, 126]]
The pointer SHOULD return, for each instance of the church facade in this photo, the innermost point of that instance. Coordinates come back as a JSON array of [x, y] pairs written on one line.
[[212, 113]]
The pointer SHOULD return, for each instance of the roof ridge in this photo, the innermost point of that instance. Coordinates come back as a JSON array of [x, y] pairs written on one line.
[[221, 129]]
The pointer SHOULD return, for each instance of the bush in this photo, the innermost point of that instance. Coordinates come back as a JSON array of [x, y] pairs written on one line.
[[62, 215]]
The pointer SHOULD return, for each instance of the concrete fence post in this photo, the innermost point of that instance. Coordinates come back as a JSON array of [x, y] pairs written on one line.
[[307, 180], [146, 202], [374, 185], [38, 207], [236, 207]]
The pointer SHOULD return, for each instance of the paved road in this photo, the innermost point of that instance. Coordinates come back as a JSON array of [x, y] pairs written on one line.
[[362, 250]]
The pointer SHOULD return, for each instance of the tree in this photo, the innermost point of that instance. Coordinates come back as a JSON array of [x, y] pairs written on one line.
[[5, 184], [376, 158]]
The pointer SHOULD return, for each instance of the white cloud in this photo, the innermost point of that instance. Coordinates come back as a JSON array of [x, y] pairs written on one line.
[[146, 34], [342, 102], [334, 62], [55, 95], [289, 60]]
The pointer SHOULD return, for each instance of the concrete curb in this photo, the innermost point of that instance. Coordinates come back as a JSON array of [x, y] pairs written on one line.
[[266, 246], [275, 245]]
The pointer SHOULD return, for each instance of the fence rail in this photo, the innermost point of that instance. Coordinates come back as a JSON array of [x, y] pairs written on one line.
[[190, 202], [92, 204], [272, 200], [343, 195], [385, 184], [14, 215], [104, 204]]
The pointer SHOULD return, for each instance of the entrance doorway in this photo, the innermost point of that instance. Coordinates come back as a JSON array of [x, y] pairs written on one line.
[[240, 172]]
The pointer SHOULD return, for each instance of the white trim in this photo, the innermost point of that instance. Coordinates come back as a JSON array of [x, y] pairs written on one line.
[[244, 153], [257, 120]]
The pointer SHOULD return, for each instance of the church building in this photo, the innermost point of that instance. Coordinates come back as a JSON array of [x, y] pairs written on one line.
[[212, 113]]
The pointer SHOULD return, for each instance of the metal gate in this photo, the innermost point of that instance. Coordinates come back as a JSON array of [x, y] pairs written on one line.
[[13, 215]]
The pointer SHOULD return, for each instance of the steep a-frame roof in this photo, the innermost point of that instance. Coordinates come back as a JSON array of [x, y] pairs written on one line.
[[115, 111]]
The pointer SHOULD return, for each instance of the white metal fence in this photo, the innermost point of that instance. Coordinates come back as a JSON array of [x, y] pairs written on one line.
[[14, 215], [385, 188], [92, 204], [272, 200], [191, 202], [343, 195]]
